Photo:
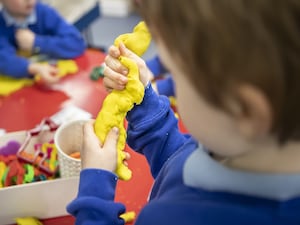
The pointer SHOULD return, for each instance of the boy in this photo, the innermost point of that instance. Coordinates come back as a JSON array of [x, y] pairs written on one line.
[[32, 27], [236, 68]]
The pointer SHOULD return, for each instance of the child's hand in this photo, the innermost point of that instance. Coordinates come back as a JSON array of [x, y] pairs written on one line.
[[25, 39], [45, 73], [115, 73], [94, 154]]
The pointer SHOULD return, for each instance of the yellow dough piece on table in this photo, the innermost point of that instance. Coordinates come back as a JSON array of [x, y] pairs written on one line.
[[66, 67], [28, 221], [128, 216], [118, 103], [8, 85]]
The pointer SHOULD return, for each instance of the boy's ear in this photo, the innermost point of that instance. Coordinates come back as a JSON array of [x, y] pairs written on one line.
[[254, 113]]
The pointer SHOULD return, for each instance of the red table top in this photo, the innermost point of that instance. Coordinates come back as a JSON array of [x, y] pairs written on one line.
[[25, 109]]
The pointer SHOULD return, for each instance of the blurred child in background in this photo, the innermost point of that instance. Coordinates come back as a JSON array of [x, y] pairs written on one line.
[[31, 27]]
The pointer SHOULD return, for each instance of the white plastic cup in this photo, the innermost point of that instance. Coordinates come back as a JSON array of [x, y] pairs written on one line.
[[68, 139]]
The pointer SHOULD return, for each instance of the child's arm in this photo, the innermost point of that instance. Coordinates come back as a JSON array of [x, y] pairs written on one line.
[[152, 126], [62, 39], [153, 130], [94, 204], [95, 201], [156, 66], [24, 69], [11, 64]]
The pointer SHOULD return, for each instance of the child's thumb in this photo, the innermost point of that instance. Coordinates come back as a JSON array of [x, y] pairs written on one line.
[[112, 138], [127, 52], [54, 70]]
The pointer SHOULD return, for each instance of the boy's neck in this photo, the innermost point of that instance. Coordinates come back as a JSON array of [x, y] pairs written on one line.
[[269, 158], [19, 20]]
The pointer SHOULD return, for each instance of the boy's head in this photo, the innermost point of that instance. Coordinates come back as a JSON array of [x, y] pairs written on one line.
[[223, 45], [19, 8]]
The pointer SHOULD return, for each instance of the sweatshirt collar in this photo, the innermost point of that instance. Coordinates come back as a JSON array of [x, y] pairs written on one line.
[[201, 171], [11, 21]]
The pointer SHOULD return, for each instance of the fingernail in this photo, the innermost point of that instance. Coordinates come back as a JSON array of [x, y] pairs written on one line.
[[123, 79], [122, 45], [116, 130]]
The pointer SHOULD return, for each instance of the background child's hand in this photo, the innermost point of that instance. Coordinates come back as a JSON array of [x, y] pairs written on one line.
[[45, 72], [95, 155], [25, 39], [115, 73]]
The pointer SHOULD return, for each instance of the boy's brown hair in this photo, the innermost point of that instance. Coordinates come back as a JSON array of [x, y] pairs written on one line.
[[223, 43]]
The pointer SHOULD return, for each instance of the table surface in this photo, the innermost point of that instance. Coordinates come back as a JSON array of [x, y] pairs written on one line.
[[25, 109]]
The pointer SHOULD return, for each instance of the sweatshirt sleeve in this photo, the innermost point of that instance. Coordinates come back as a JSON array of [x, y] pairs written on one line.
[[153, 130], [166, 86], [9, 59], [94, 204], [156, 66], [58, 39]]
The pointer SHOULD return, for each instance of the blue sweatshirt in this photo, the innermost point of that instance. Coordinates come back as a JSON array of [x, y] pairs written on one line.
[[165, 84], [156, 66], [54, 38], [190, 188]]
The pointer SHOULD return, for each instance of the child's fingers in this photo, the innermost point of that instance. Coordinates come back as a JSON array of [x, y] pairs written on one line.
[[144, 72], [88, 132], [49, 79], [112, 140], [129, 54], [54, 70], [88, 128], [117, 73], [49, 74], [114, 80], [127, 155], [112, 85], [115, 65], [112, 137], [126, 52], [54, 74], [114, 51], [53, 79]]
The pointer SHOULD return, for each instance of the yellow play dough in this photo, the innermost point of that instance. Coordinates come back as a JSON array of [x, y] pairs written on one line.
[[138, 41], [66, 67], [28, 221], [9, 85], [128, 216], [118, 103]]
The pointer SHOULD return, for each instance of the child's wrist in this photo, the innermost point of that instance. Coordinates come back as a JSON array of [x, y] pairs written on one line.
[[154, 86], [33, 69]]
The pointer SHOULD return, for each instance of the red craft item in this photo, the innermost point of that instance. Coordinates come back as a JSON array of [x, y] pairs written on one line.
[[38, 157], [15, 170]]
